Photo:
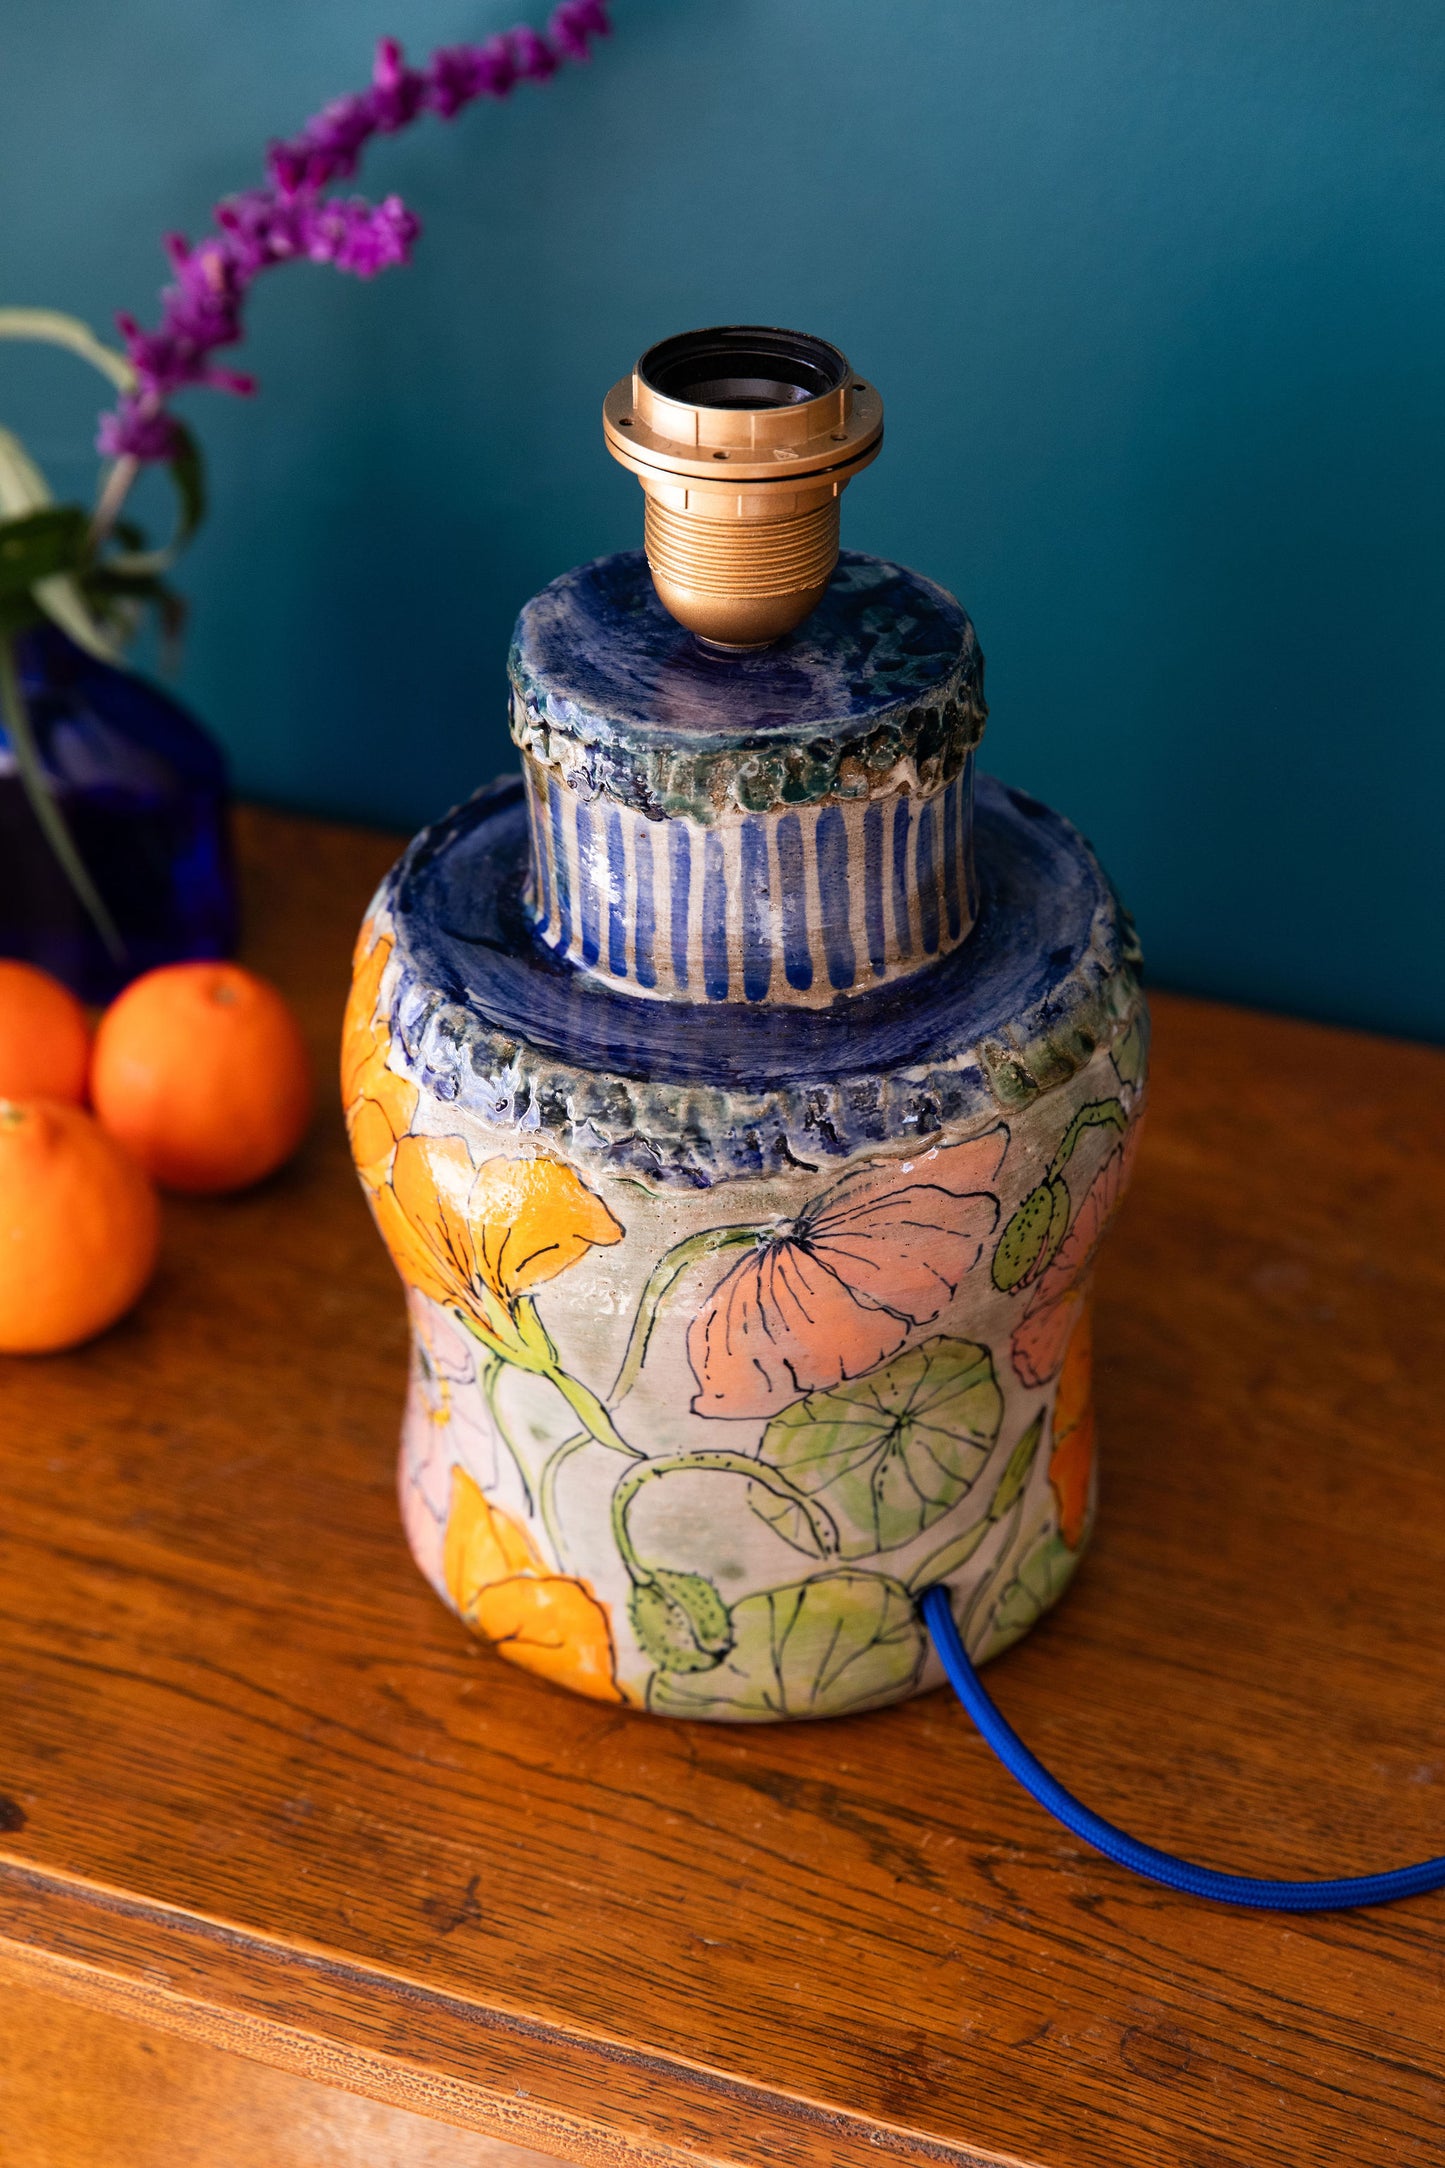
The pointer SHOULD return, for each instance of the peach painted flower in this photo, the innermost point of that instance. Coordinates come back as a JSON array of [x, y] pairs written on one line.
[[380, 1105], [1071, 1463], [1043, 1332], [838, 1291], [546, 1622], [479, 1239]]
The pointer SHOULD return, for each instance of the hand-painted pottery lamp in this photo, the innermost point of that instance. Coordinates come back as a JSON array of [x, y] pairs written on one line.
[[743, 1093]]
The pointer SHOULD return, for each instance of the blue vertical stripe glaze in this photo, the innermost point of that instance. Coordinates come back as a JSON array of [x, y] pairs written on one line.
[[902, 927], [927, 882], [793, 892], [559, 868], [616, 897], [873, 886], [644, 925], [832, 849], [970, 870], [714, 917], [541, 855], [950, 860], [757, 942], [587, 905], [534, 878], [680, 871]]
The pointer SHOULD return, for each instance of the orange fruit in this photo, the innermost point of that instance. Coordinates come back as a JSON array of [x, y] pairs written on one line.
[[44, 1036], [202, 1073], [79, 1225]]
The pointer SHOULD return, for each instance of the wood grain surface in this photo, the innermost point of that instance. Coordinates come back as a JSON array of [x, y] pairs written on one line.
[[258, 1788], [89, 2088]]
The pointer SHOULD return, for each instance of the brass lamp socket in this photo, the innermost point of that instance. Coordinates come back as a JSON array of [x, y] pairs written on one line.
[[743, 438]]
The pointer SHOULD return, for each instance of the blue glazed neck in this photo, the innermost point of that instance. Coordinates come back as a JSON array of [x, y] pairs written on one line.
[[787, 827]]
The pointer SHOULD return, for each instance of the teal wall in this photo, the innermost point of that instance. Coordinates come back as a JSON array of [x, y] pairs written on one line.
[[1155, 291]]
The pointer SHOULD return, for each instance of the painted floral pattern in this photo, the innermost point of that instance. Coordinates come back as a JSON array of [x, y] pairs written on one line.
[[477, 1239], [891, 1452], [836, 1293], [546, 1622], [1040, 1340], [890, 1387]]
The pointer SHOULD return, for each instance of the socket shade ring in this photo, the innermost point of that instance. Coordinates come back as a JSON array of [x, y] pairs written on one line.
[[743, 438]]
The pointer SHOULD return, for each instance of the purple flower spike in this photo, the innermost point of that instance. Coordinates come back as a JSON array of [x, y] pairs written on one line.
[[132, 433], [397, 90], [290, 220], [575, 24], [535, 57]]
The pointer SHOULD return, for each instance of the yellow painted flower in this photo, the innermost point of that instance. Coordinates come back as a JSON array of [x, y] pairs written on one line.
[[380, 1105], [480, 1238], [545, 1622], [1071, 1463]]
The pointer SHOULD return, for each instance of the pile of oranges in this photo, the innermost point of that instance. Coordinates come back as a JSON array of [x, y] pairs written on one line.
[[197, 1079]]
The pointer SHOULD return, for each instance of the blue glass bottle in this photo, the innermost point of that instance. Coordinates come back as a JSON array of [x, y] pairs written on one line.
[[144, 793]]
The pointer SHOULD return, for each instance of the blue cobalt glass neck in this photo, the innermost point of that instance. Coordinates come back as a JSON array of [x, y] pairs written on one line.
[[791, 824]]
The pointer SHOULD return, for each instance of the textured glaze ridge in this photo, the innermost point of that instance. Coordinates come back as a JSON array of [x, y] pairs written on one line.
[[880, 690], [484, 1019]]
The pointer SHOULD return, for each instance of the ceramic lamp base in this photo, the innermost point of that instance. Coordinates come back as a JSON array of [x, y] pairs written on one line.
[[736, 1327]]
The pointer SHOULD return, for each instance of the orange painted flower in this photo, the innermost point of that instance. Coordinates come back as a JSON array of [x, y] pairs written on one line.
[[477, 1239], [380, 1105], [1071, 1464], [1044, 1331], [546, 1622], [838, 1291]]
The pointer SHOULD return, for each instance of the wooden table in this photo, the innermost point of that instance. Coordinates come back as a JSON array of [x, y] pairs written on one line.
[[294, 1872]]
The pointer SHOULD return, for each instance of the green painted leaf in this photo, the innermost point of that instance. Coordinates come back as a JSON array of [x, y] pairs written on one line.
[[681, 1621], [890, 1452], [1017, 1470], [842, 1641], [1061, 1205], [787, 1520], [1041, 1579], [1021, 1245], [1095, 1114], [1010, 1487]]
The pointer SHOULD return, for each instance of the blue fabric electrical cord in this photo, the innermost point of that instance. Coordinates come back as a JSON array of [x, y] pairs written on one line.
[[1228, 1889]]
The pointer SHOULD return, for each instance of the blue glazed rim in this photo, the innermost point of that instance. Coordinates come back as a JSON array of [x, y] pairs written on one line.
[[490, 1020], [605, 684]]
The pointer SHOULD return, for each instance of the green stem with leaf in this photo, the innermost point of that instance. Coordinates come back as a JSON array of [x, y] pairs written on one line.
[[491, 1380], [512, 1332], [663, 1278], [1031, 1240], [1097, 1114], [590, 1412], [824, 1533], [547, 1489]]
